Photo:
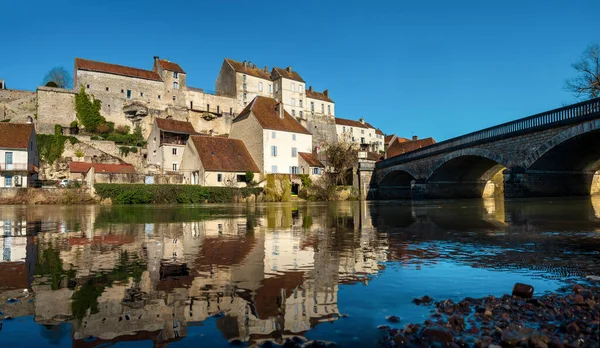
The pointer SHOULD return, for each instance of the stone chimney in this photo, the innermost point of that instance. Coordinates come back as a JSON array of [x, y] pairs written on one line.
[[280, 110], [326, 93], [155, 66], [362, 120], [415, 138], [266, 69], [245, 64], [289, 69], [310, 88], [250, 64]]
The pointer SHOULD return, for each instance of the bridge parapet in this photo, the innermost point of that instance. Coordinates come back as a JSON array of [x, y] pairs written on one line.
[[562, 116]]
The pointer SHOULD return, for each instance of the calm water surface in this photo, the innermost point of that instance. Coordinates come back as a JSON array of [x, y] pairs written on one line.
[[147, 276]]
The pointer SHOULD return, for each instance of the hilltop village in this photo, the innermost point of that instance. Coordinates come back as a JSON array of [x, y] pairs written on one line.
[[130, 125]]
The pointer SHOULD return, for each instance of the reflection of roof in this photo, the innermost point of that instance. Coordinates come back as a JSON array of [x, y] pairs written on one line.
[[108, 239], [246, 69], [83, 167], [264, 299], [317, 95], [401, 146], [311, 160], [13, 275], [288, 74], [265, 111], [223, 154], [170, 66], [90, 65], [351, 123], [174, 126], [15, 135]]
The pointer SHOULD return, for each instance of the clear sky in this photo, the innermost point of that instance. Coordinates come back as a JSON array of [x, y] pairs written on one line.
[[428, 68]]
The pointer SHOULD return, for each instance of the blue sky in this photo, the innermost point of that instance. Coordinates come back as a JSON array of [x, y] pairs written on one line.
[[429, 68]]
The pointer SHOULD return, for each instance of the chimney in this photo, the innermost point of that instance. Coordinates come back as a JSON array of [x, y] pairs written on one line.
[[326, 93], [289, 69], [280, 110], [154, 67], [310, 88], [415, 138], [156, 58], [266, 69], [362, 120], [244, 62], [250, 64]]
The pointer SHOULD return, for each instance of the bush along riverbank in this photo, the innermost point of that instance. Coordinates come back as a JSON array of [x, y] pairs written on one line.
[[568, 318], [172, 194]]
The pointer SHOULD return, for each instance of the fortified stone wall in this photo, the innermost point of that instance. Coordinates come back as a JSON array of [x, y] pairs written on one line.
[[55, 106], [322, 128], [17, 105]]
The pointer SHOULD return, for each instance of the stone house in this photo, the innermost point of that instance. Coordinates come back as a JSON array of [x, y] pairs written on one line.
[[361, 133], [216, 161], [166, 143], [309, 164], [243, 81], [102, 172], [273, 137], [18, 154]]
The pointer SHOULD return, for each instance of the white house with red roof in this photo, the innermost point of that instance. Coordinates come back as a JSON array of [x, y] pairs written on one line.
[[361, 133], [166, 143], [18, 154]]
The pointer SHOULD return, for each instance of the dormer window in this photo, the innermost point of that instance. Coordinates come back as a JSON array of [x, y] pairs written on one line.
[[175, 75], [175, 85]]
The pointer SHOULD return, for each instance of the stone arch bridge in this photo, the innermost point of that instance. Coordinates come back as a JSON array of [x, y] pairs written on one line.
[[554, 153]]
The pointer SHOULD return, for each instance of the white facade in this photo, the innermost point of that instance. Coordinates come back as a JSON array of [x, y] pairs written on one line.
[[281, 151], [17, 166], [362, 135]]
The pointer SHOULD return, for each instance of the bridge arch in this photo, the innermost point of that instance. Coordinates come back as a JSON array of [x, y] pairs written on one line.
[[396, 184], [467, 164]]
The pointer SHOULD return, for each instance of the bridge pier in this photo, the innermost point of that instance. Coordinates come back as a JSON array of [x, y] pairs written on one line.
[[519, 182]]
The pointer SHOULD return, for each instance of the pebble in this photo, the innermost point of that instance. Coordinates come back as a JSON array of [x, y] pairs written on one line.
[[393, 318]]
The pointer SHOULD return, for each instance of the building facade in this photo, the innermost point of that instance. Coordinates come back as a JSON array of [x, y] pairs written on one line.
[[166, 143], [18, 155], [361, 133]]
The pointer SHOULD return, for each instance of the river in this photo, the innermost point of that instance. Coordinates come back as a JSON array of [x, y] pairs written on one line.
[[84, 276]]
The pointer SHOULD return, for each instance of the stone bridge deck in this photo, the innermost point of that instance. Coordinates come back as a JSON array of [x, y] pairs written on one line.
[[552, 153]]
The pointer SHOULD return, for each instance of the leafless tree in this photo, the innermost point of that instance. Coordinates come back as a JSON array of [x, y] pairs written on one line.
[[586, 85], [341, 156], [58, 76]]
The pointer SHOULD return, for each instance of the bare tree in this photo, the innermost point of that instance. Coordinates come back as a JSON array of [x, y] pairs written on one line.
[[341, 156], [586, 85], [58, 76]]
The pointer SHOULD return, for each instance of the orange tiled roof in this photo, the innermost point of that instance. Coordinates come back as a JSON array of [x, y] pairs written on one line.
[[311, 160], [317, 95], [174, 126], [90, 65], [256, 72], [350, 123], [401, 146], [83, 167], [223, 154], [292, 75], [265, 111], [15, 135], [171, 66]]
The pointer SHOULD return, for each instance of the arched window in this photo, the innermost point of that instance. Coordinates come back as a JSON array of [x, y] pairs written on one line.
[[175, 85]]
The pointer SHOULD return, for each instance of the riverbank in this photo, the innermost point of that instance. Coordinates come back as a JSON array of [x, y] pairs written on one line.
[[569, 317], [46, 196]]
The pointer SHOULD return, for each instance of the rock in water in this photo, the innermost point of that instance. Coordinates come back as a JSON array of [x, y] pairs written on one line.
[[392, 319], [523, 290]]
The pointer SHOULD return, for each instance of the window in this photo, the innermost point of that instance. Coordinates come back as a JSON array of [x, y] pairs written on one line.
[[8, 181], [244, 78], [175, 85], [107, 89], [128, 94], [241, 178], [122, 91], [322, 108], [260, 86], [174, 150], [294, 152], [329, 109], [87, 86], [191, 105], [273, 135], [352, 138], [294, 137], [141, 94], [300, 113], [312, 107], [159, 96], [245, 96], [174, 98], [220, 177], [316, 171], [174, 167], [293, 102], [293, 87], [300, 89], [231, 111], [300, 102], [175, 74], [245, 87], [362, 131], [274, 151], [276, 86], [207, 107], [218, 109], [270, 88], [294, 170], [273, 169], [294, 113], [8, 157]]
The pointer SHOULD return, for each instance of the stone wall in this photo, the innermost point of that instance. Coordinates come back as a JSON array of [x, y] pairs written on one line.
[[54, 106], [17, 105]]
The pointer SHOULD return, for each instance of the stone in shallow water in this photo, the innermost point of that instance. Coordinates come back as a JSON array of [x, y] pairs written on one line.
[[393, 318], [522, 290]]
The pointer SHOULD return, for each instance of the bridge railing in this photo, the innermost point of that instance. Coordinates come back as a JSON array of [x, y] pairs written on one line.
[[566, 114]]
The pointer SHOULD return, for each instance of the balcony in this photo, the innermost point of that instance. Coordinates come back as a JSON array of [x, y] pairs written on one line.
[[16, 167]]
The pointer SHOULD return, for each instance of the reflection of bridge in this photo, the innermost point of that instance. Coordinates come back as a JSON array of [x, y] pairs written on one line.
[[552, 153]]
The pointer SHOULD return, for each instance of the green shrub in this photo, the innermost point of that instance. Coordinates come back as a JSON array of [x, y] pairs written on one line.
[[122, 129], [88, 111], [79, 153], [51, 147], [306, 180], [169, 194], [74, 124], [249, 177], [57, 129]]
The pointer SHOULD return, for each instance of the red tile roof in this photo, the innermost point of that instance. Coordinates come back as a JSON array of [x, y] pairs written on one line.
[[171, 66], [292, 75], [317, 95], [223, 154], [265, 111], [351, 123], [83, 167], [401, 146], [311, 160], [378, 131], [256, 72], [15, 135], [174, 126], [90, 65]]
